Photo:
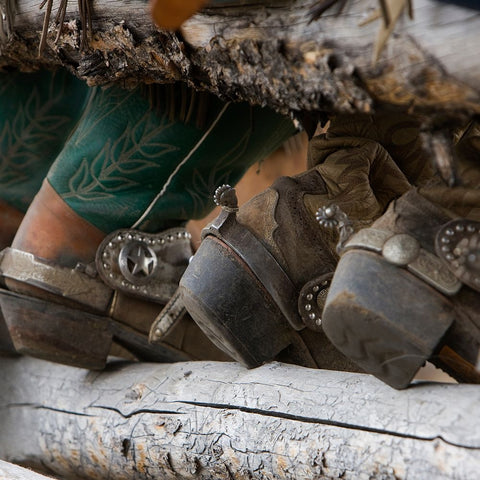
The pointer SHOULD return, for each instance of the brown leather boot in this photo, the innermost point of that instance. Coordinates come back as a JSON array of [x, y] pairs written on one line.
[[258, 281], [407, 289]]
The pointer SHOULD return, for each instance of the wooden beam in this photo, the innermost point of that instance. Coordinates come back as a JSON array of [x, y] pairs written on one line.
[[220, 421], [9, 471], [268, 53]]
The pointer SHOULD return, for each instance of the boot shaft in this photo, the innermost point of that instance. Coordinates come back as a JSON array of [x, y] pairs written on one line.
[[128, 164], [38, 112]]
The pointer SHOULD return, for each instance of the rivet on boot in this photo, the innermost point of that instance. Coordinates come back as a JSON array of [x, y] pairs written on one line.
[[226, 197], [332, 216]]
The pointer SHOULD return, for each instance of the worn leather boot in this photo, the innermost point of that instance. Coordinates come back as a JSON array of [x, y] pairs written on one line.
[[407, 289], [36, 118], [102, 247], [258, 282]]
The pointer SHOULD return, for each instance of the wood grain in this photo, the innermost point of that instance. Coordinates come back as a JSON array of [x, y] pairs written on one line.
[[220, 421], [272, 55]]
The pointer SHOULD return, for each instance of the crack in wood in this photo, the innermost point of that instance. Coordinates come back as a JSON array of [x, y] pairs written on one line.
[[136, 412], [320, 421], [46, 407]]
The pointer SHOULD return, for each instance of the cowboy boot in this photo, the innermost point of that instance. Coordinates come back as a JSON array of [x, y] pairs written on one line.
[[102, 247], [258, 282], [406, 290], [36, 119]]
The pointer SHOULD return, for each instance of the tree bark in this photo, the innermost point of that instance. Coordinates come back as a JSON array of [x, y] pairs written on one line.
[[210, 420], [267, 52]]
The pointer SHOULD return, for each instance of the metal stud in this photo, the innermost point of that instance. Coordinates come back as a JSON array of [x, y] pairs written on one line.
[[226, 197], [332, 216]]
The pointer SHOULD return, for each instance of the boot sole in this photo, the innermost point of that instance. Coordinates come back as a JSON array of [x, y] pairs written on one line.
[[61, 334]]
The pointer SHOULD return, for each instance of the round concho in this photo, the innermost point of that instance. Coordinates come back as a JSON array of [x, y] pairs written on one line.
[[137, 262], [312, 300], [458, 244]]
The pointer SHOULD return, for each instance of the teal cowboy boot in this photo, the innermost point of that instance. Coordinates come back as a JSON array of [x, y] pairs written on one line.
[[36, 118], [103, 244]]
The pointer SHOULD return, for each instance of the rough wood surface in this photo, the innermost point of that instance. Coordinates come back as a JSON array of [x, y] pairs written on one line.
[[221, 421], [9, 471], [272, 54]]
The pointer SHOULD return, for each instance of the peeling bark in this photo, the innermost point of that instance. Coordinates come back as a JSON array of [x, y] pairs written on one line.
[[272, 55], [221, 421]]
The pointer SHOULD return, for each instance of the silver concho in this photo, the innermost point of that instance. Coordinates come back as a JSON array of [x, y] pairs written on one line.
[[137, 262], [312, 300], [458, 245], [144, 264], [401, 249]]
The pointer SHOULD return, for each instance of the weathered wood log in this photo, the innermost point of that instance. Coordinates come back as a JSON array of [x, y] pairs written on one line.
[[9, 471], [221, 421], [272, 55]]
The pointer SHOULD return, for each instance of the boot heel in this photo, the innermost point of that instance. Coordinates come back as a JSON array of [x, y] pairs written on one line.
[[55, 332], [373, 316], [253, 331]]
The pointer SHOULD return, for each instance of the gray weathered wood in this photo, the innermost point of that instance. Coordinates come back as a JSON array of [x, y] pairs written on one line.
[[273, 55], [221, 421], [9, 471]]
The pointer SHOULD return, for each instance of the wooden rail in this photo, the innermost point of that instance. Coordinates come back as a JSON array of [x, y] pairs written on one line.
[[268, 53], [220, 421]]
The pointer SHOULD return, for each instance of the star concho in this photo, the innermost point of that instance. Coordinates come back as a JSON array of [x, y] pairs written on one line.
[[144, 264]]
